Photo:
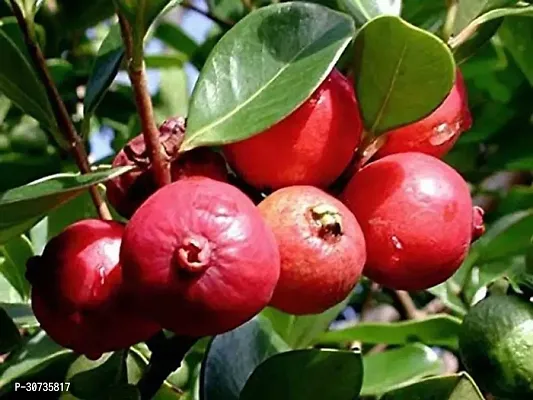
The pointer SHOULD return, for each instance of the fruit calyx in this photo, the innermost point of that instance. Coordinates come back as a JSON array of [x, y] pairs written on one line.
[[478, 225], [193, 255], [328, 220], [171, 135]]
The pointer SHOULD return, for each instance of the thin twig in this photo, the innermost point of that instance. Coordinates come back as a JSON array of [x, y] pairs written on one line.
[[223, 23], [409, 308], [139, 83], [61, 115]]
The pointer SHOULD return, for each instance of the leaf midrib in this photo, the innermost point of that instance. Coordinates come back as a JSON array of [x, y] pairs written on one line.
[[389, 92]]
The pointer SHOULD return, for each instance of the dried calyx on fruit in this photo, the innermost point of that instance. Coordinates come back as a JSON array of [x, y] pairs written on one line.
[[322, 249], [77, 291], [311, 146], [128, 191], [199, 258], [437, 133], [417, 217]]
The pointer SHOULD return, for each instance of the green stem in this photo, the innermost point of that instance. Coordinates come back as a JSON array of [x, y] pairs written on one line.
[[447, 30]]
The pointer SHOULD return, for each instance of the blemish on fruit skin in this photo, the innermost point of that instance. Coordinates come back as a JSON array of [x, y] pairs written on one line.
[[450, 211]]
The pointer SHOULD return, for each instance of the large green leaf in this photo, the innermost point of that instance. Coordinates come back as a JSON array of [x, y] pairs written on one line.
[[311, 374], [449, 387], [232, 357], [19, 81], [13, 257], [300, 331], [515, 33], [468, 10], [39, 352], [8, 294], [366, 10], [398, 367], [105, 69], [263, 69], [9, 333], [436, 330], [22, 207], [402, 73]]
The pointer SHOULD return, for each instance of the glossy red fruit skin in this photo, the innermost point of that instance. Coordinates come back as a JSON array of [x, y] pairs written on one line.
[[312, 146], [437, 133], [318, 268], [76, 291], [199, 258], [128, 191], [417, 217]]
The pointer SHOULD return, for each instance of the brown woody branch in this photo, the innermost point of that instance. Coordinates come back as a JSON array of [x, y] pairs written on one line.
[[139, 82], [77, 149]]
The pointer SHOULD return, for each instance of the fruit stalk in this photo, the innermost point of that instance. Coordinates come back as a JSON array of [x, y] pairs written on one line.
[[165, 359], [61, 115], [139, 82]]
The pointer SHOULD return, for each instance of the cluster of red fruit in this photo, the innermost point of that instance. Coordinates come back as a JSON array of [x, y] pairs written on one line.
[[199, 258]]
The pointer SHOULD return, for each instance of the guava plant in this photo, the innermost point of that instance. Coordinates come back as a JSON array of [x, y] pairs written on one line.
[[341, 208]]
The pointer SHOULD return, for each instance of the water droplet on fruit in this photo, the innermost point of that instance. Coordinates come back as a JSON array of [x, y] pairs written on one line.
[[398, 247], [396, 242], [443, 133]]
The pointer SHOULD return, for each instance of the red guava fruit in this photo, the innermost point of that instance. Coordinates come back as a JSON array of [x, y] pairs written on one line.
[[128, 191], [76, 291], [437, 133], [199, 258], [321, 245], [311, 146], [417, 217]]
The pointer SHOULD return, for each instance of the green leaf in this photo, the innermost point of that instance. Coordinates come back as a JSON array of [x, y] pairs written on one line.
[[428, 15], [449, 387], [20, 83], [515, 33], [14, 255], [468, 10], [22, 207], [174, 37], [404, 83], [9, 333], [248, 85], [84, 373], [232, 357], [21, 314], [300, 331], [398, 367], [38, 353], [105, 69], [8, 294], [62, 71], [172, 98], [509, 236], [227, 10], [164, 61], [365, 10], [436, 330], [311, 374], [449, 293]]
